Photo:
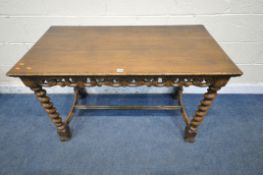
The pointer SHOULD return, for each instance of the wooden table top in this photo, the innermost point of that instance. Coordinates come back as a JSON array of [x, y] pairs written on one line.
[[130, 50]]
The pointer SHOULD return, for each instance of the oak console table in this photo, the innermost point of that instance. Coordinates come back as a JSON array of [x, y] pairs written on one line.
[[170, 56]]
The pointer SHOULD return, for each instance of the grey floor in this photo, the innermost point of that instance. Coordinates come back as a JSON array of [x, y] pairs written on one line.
[[230, 141]]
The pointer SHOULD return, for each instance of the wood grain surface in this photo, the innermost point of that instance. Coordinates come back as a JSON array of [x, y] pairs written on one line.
[[125, 50]]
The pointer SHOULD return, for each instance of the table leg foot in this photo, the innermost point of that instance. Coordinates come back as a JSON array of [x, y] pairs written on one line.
[[64, 134], [189, 135]]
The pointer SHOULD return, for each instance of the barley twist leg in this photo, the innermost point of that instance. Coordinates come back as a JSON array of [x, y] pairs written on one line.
[[206, 103], [62, 128]]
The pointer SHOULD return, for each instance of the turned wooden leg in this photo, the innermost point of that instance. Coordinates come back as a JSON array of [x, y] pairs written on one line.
[[209, 96], [62, 128]]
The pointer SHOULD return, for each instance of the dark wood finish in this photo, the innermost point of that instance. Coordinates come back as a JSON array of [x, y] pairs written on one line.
[[131, 81], [209, 96], [152, 50], [161, 56], [62, 129], [134, 107]]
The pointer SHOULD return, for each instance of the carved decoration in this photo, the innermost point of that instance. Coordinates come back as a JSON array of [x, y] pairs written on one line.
[[118, 81]]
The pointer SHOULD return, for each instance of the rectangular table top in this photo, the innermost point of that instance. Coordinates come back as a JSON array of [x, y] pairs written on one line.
[[126, 50]]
